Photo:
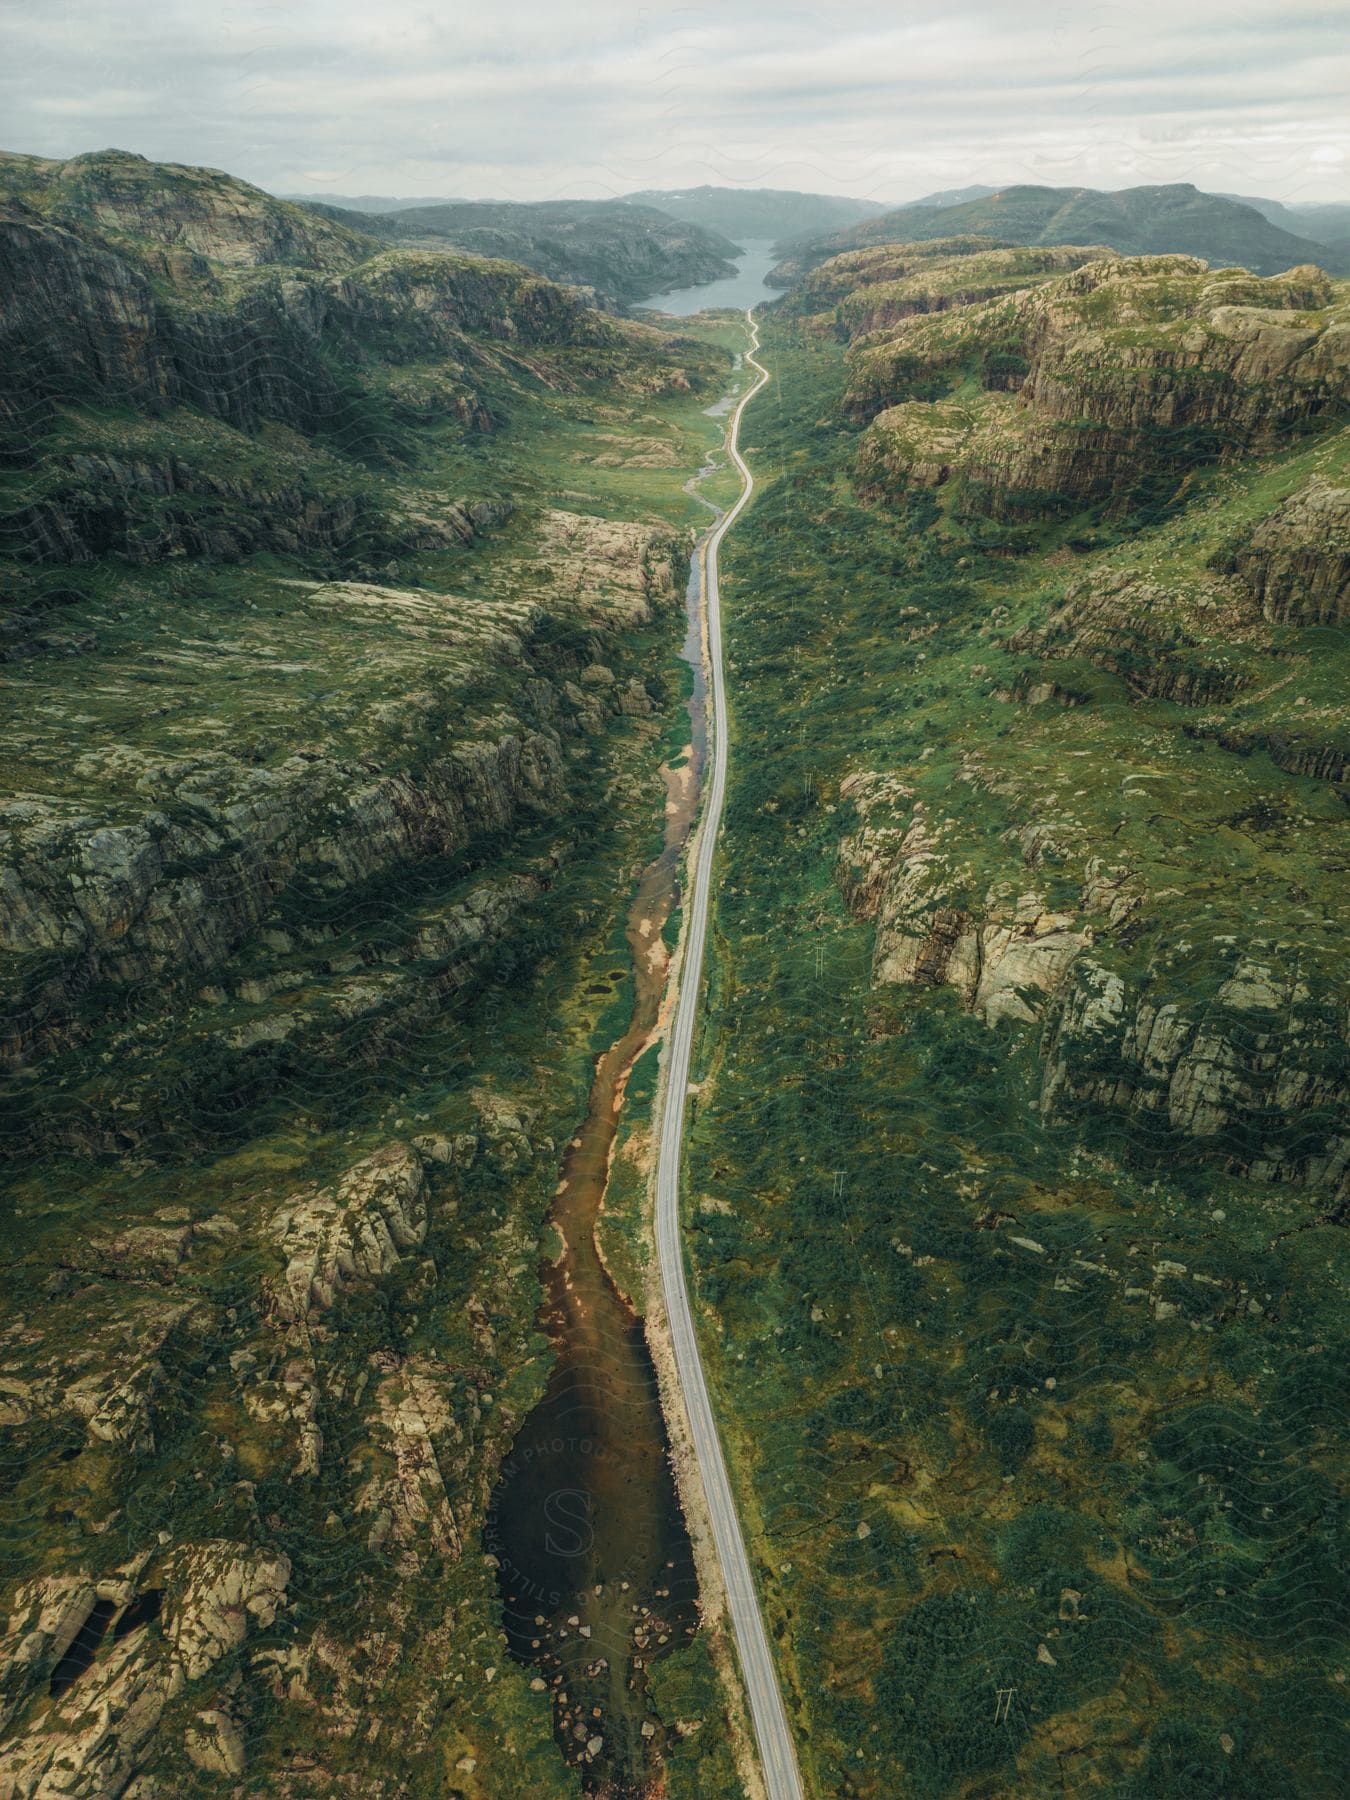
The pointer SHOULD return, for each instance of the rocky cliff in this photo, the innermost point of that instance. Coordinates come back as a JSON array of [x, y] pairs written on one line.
[[1112, 385], [1108, 383], [341, 591], [293, 327], [165, 897], [1296, 562]]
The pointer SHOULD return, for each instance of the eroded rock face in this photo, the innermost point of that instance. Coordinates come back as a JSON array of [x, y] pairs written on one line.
[[1259, 1075], [1004, 961], [415, 1456], [1296, 563], [1256, 1074], [357, 1230], [174, 892], [87, 322], [113, 1375], [110, 900], [147, 506], [86, 251], [414, 1431], [1166, 641], [1140, 365], [867, 291], [102, 1729]]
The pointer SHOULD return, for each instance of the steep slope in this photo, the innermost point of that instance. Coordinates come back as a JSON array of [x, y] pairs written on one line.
[[1142, 221], [1115, 381], [341, 601], [625, 253], [756, 212], [1021, 1144]]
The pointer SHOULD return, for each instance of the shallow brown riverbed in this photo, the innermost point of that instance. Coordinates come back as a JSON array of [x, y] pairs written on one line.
[[595, 1568]]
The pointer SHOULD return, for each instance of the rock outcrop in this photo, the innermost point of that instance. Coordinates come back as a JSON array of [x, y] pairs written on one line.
[[867, 291], [1005, 958], [273, 324], [170, 894], [1240, 1056], [104, 1725], [1166, 641], [1258, 1076], [1106, 384], [1296, 562], [358, 1230]]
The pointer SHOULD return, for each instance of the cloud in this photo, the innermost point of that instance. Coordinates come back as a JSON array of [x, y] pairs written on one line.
[[531, 100]]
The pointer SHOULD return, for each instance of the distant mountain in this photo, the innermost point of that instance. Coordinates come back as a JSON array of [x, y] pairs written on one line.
[[954, 196], [625, 252], [1142, 221], [373, 203], [772, 213], [1327, 222]]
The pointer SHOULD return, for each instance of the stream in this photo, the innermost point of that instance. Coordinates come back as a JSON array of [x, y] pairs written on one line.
[[595, 1569]]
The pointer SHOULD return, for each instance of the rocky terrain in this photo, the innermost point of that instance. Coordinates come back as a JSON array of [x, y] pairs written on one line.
[[342, 585], [1140, 221], [1136, 371], [865, 291], [1021, 1147], [1115, 382]]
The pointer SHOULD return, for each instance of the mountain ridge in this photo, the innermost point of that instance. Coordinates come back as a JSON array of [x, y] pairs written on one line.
[[1173, 218], [762, 213]]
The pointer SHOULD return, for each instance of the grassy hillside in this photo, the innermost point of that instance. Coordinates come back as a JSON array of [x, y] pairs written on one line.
[[1019, 1166], [342, 591], [1142, 221]]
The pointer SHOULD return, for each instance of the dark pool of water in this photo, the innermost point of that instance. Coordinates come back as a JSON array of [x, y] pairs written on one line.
[[83, 1649]]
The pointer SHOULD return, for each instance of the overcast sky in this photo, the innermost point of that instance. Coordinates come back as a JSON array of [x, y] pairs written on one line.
[[527, 101]]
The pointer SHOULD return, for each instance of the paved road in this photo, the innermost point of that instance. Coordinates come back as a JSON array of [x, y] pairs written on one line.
[[777, 1754]]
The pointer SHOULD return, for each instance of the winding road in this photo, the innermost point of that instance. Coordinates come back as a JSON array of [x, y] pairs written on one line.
[[777, 1754]]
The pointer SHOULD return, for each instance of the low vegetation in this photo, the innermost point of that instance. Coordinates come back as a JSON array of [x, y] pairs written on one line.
[[1018, 1170]]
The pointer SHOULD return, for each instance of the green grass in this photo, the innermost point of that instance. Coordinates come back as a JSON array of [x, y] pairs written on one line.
[[939, 1433]]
